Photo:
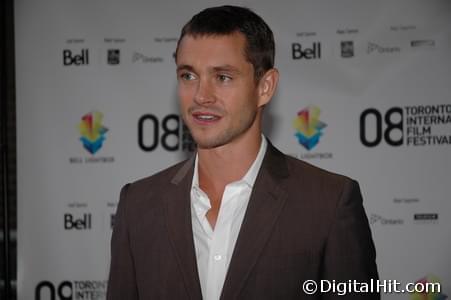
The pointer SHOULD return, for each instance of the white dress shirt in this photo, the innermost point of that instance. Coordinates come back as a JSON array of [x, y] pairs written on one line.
[[214, 248]]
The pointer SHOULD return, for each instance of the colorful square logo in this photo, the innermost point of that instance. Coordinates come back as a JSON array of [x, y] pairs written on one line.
[[92, 131], [308, 127]]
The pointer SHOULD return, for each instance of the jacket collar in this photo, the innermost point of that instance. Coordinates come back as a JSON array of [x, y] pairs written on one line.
[[274, 161]]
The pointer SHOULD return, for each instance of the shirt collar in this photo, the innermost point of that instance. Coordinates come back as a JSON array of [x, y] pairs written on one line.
[[251, 174]]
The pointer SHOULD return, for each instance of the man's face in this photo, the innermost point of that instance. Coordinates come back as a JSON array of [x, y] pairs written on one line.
[[217, 90]]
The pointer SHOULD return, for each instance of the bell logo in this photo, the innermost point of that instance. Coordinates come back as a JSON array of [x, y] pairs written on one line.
[[82, 223], [80, 59], [306, 53]]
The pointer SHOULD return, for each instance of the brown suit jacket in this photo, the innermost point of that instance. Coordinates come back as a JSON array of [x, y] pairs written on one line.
[[301, 223]]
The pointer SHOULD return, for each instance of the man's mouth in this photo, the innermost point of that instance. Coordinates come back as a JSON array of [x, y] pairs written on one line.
[[205, 117]]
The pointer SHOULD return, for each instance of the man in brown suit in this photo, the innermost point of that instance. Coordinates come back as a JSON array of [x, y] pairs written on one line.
[[239, 220]]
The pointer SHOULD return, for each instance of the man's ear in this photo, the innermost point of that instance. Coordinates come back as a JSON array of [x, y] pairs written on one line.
[[267, 86]]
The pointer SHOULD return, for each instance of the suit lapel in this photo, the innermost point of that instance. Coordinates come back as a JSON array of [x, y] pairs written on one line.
[[178, 215], [265, 204]]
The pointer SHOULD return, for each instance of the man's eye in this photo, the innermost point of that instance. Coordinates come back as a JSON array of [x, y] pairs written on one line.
[[187, 76], [224, 78]]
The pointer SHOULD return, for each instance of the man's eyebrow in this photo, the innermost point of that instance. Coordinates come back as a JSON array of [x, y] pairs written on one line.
[[226, 68], [185, 67]]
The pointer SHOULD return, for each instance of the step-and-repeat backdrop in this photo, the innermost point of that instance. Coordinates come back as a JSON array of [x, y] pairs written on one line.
[[365, 91]]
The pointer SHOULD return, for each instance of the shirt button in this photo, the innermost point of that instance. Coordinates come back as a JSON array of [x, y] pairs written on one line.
[[217, 257]]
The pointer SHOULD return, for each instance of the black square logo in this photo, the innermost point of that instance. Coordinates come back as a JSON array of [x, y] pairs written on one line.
[[113, 57], [347, 49]]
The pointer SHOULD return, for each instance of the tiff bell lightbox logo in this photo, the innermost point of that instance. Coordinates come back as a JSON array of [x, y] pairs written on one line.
[[113, 56], [308, 127], [75, 58], [347, 49], [92, 131], [301, 52]]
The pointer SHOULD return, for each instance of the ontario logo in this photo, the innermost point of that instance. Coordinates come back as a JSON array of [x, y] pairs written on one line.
[[432, 289], [308, 127], [92, 131]]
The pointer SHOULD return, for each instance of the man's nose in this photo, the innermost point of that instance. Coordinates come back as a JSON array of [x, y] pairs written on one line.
[[204, 94]]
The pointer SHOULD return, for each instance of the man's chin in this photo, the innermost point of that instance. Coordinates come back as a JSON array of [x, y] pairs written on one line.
[[209, 142]]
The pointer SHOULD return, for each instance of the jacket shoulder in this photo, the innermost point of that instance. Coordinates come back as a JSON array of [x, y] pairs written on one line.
[[315, 176], [152, 186], [161, 177]]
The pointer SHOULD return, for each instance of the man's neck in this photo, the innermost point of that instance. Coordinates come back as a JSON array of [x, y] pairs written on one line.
[[220, 166]]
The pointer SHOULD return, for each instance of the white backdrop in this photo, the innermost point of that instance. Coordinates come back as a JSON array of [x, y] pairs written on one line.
[[374, 78]]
